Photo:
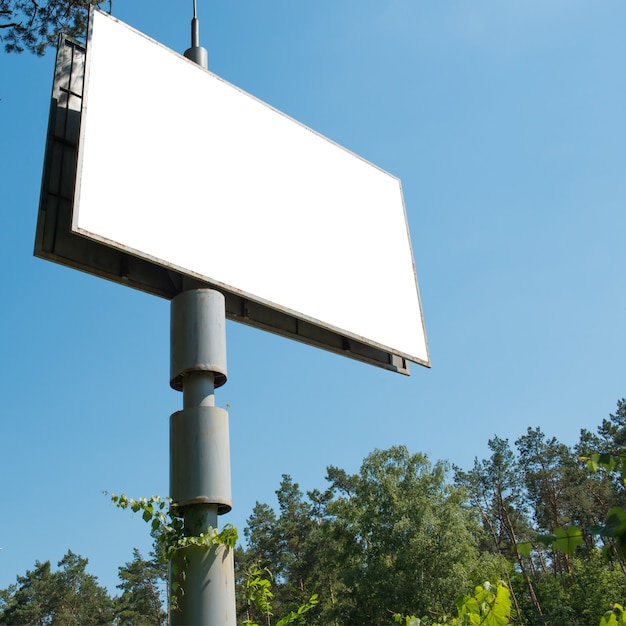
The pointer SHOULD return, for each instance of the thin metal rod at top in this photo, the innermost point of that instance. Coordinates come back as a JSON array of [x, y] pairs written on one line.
[[195, 27]]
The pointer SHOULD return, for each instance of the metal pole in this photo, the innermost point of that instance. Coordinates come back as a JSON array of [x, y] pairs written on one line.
[[200, 458], [199, 443], [197, 53]]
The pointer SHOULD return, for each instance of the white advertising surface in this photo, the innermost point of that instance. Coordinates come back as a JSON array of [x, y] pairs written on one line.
[[181, 168]]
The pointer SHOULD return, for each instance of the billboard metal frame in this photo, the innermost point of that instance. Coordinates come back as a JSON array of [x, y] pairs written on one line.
[[56, 241]]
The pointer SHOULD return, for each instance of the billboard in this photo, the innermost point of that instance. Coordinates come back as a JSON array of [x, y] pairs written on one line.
[[163, 176]]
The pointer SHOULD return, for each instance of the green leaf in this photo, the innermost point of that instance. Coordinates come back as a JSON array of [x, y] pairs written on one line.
[[525, 548], [609, 619], [546, 540], [606, 461], [615, 522], [592, 462], [288, 619], [567, 539]]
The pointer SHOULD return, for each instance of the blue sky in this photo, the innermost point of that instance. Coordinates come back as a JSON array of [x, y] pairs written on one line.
[[505, 121]]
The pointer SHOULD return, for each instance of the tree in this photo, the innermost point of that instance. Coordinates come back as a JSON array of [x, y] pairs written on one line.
[[612, 432], [495, 488], [395, 537], [408, 543], [33, 26], [29, 601], [141, 601], [67, 596], [288, 547], [547, 513]]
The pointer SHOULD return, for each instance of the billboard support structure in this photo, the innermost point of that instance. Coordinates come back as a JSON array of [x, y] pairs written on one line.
[[165, 225], [200, 458], [199, 444]]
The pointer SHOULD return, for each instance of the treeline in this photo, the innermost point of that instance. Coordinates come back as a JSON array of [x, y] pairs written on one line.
[[409, 536], [404, 535], [69, 595]]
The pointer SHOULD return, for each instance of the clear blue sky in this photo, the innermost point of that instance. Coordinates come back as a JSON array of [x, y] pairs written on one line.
[[505, 121]]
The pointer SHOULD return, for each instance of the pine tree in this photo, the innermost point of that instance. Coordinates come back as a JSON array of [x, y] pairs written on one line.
[[141, 601], [68, 596], [33, 26]]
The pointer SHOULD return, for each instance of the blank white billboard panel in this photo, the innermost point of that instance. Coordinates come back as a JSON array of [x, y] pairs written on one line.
[[179, 167]]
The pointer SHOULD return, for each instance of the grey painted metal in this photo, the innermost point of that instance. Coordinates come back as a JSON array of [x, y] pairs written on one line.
[[199, 441], [198, 336], [204, 570], [200, 483], [197, 53], [200, 458], [199, 390]]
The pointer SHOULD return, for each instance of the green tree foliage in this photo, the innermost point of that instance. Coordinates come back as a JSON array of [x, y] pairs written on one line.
[[70, 595], [495, 488], [489, 605], [257, 592], [612, 464], [542, 505], [612, 432], [397, 536], [33, 26], [394, 516], [141, 601], [395, 541], [293, 547], [67, 596], [615, 617]]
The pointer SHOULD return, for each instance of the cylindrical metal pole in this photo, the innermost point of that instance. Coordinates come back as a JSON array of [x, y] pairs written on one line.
[[199, 389], [200, 458], [208, 595], [199, 444]]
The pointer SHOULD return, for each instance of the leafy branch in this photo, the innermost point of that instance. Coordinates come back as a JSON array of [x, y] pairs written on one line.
[[172, 539], [169, 530], [35, 26], [257, 590], [170, 533], [615, 617], [489, 606], [567, 539]]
